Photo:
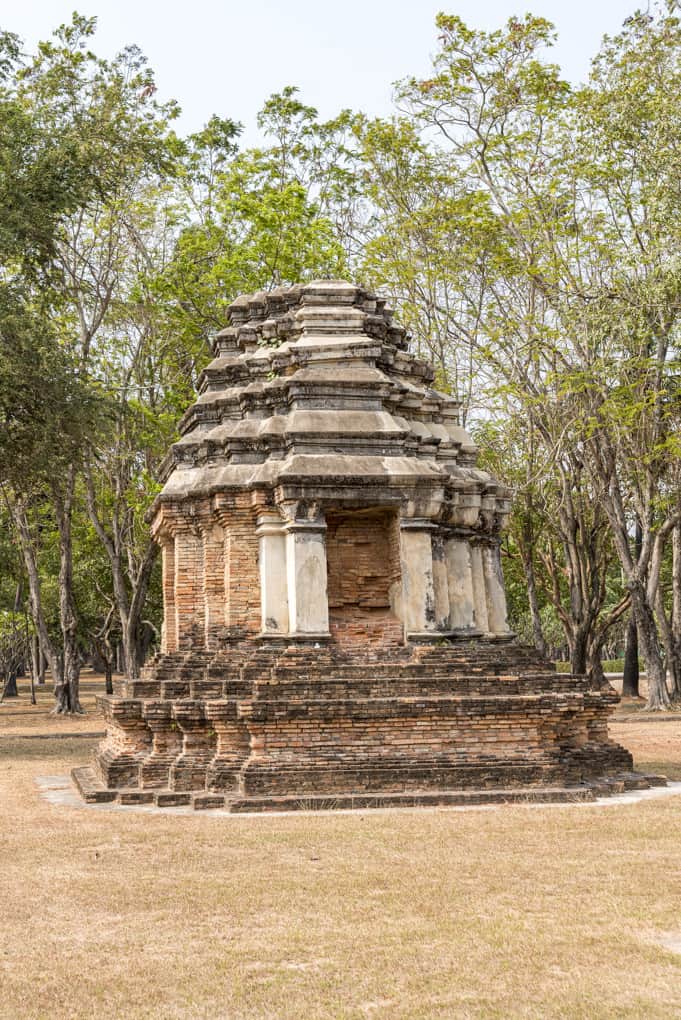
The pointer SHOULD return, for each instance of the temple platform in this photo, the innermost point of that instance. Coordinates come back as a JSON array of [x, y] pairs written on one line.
[[311, 726]]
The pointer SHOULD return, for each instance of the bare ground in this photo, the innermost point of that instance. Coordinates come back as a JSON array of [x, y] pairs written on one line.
[[569, 912]]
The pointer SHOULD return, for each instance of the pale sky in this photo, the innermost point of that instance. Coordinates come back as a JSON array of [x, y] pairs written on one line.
[[227, 56]]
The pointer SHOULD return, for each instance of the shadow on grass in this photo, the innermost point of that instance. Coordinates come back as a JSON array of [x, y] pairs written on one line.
[[19, 749]]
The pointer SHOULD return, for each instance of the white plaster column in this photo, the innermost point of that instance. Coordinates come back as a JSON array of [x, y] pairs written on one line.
[[308, 601], [494, 589], [271, 532], [418, 586], [440, 585], [460, 584], [479, 588]]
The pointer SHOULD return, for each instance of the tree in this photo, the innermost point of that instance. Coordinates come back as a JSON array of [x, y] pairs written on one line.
[[258, 219], [105, 115], [581, 309], [14, 651]]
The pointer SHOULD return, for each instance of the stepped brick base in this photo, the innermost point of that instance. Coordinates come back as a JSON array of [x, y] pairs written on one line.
[[274, 726]]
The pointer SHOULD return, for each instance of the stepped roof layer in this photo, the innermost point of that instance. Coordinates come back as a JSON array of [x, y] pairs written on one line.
[[315, 384]]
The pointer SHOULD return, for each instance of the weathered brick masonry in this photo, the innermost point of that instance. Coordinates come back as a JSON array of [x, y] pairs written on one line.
[[334, 614]]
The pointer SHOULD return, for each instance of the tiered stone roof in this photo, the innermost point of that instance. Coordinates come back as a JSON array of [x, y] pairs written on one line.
[[314, 385]]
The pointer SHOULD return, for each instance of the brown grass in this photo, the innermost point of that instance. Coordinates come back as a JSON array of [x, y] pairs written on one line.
[[18, 715], [504, 913]]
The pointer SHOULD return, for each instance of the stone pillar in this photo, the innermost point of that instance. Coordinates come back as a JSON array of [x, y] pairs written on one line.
[[308, 603], [213, 583], [169, 625], [188, 771], [479, 588], [166, 745], [127, 742], [189, 604], [418, 588], [272, 540], [440, 583], [233, 746], [494, 588], [460, 584]]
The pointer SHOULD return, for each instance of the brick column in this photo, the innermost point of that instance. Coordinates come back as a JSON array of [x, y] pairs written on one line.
[[233, 745], [169, 625], [271, 532], [214, 598], [166, 744], [418, 588], [127, 741], [460, 584], [189, 596], [188, 771]]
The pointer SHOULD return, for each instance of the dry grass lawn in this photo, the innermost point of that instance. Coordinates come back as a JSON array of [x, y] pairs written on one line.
[[18, 715], [504, 913]]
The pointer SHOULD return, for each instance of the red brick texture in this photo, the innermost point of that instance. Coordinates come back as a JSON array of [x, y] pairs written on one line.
[[253, 722], [360, 559], [363, 564]]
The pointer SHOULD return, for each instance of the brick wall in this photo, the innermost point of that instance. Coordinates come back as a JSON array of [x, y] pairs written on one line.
[[365, 628], [189, 594], [362, 551], [214, 583], [211, 584], [361, 559], [242, 576], [169, 631]]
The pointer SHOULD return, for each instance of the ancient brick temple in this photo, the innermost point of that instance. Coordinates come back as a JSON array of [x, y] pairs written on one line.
[[335, 627]]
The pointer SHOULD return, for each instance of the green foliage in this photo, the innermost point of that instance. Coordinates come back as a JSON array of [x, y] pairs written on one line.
[[48, 412], [256, 219]]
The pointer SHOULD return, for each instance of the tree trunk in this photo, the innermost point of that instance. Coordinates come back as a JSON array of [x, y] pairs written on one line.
[[105, 654], [635, 569], [67, 693], [595, 662], [133, 633], [35, 664], [665, 632], [533, 604], [108, 677], [10, 689], [68, 696], [130, 594], [578, 643], [35, 593], [675, 663], [130, 615], [658, 695], [630, 678]]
